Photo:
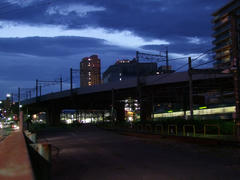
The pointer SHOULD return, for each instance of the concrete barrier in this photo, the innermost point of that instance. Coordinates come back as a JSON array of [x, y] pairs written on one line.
[[40, 154], [32, 136], [15, 162]]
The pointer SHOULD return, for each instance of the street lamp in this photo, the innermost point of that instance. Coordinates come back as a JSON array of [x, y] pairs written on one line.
[[8, 95]]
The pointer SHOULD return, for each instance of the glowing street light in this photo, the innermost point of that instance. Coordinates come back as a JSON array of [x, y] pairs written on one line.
[[8, 95]]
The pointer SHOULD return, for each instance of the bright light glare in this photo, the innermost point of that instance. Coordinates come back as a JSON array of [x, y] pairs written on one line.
[[15, 127], [87, 120], [220, 110], [69, 121]]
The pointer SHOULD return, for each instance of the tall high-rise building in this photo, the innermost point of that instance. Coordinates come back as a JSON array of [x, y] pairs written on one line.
[[90, 71], [226, 26]]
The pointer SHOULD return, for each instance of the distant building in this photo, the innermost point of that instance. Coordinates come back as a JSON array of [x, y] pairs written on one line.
[[90, 71], [125, 69], [165, 69], [226, 22]]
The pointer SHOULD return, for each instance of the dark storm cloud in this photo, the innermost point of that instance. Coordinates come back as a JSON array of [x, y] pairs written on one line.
[[56, 46], [42, 46], [149, 18], [160, 19]]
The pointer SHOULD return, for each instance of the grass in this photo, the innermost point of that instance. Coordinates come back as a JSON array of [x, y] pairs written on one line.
[[36, 127]]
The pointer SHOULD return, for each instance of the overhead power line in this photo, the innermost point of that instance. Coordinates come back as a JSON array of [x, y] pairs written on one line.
[[208, 62], [182, 66]]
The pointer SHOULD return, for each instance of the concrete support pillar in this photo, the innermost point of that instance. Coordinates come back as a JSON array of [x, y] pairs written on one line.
[[21, 121], [53, 115], [146, 111], [103, 116], [120, 112]]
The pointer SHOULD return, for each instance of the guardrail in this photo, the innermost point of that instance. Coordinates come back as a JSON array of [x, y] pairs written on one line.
[[148, 128], [172, 129], [188, 125], [211, 125], [185, 130], [159, 127]]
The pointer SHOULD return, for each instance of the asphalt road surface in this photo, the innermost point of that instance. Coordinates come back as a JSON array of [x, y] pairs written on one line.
[[93, 154], [2, 134]]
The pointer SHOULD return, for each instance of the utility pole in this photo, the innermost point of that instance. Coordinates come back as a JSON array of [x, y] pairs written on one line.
[[138, 70], [139, 83], [40, 90], [71, 79], [167, 59], [236, 70], [190, 87], [12, 98], [36, 88], [80, 75], [26, 95], [61, 81], [19, 100], [139, 93], [113, 105]]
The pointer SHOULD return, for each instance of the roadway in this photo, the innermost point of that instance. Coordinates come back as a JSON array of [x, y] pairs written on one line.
[[94, 154], [2, 134]]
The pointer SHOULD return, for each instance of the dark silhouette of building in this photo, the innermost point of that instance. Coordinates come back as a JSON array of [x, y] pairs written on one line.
[[90, 71], [125, 69], [226, 22], [165, 69]]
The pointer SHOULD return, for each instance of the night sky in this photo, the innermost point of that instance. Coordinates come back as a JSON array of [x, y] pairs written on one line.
[[43, 39]]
